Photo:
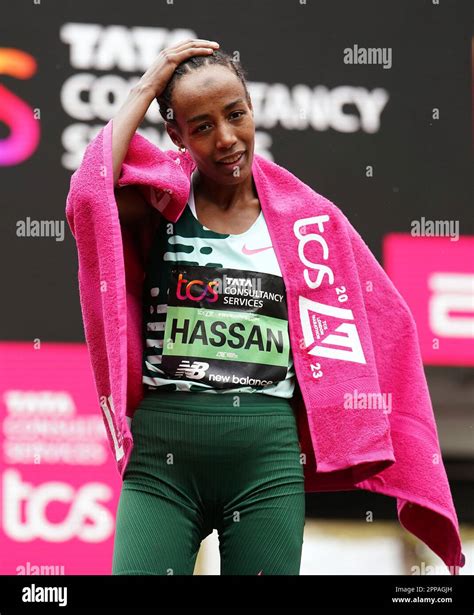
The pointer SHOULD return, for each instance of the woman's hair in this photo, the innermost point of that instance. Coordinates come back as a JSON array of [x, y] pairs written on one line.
[[218, 57]]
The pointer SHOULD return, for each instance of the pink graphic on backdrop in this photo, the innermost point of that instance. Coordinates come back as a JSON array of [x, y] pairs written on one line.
[[15, 113], [435, 276], [60, 485]]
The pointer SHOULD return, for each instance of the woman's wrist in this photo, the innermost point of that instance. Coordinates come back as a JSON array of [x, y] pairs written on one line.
[[144, 89]]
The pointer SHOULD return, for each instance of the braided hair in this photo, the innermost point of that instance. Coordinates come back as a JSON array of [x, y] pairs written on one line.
[[218, 57]]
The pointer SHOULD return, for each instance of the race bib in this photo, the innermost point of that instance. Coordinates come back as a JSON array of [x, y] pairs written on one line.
[[225, 327]]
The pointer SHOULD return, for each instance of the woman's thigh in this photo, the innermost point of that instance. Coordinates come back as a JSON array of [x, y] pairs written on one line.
[[154, 535], [204, 463], [262, 520]]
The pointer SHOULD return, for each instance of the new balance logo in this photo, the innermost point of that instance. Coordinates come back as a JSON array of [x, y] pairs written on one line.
[[196, 371], [318, 338]]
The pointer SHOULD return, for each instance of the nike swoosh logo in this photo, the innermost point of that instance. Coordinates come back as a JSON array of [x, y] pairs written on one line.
[[250, 251]]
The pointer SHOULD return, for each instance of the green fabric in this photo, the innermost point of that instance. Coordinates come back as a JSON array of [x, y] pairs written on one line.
[[204, 462]]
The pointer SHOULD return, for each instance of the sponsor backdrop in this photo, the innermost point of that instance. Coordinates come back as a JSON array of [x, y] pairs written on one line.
[[367, 102]]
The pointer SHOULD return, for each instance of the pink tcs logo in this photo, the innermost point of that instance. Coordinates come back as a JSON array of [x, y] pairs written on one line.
[[59, 485], [25, 518], [14, 112]]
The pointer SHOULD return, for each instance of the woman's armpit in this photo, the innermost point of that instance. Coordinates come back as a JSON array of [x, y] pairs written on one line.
[[134, 209]]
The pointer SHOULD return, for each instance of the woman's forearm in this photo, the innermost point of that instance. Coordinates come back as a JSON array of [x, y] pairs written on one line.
[[127, 120]]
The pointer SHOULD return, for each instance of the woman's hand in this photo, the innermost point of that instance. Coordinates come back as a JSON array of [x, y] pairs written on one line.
[[140, 97], [161, 71]]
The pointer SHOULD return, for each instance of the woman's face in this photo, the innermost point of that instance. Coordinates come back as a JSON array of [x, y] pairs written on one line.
[[214, 122]]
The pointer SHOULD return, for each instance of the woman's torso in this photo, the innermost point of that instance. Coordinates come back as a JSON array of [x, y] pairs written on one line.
[[214, 310]]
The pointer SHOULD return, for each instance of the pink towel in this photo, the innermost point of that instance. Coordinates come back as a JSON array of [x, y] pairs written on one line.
[[353, 337]]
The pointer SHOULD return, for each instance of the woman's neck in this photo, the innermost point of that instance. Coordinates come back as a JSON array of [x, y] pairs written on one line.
[[221, 195]]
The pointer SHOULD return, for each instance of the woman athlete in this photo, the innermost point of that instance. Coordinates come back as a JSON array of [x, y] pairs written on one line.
[[215, 437]]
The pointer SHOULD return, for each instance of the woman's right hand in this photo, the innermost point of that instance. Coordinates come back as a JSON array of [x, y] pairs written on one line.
[[151, 84], [161, 71]]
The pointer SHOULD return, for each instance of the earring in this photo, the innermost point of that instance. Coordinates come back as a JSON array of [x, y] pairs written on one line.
[[182, 149]]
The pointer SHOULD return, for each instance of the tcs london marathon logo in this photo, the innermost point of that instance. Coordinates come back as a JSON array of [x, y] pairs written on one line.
[[323, 332]]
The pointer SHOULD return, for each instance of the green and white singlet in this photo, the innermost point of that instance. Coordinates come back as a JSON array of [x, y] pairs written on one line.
[[214, 311]]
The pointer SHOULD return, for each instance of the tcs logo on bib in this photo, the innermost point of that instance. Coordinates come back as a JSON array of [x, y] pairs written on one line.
[[209, 294]]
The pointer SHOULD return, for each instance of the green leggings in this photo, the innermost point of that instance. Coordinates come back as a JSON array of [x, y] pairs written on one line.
[[206, 461]]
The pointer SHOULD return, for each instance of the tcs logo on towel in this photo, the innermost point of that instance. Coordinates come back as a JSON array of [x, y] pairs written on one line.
[[314, 316]]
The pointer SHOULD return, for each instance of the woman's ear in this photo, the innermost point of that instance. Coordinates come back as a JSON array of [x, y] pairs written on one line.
[[173, 135]]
